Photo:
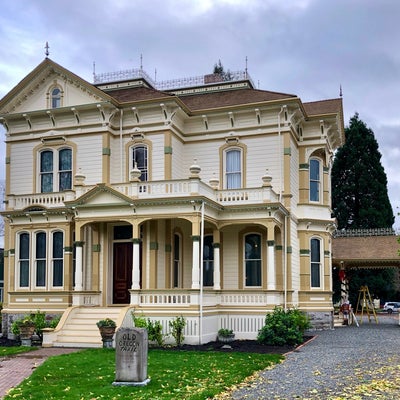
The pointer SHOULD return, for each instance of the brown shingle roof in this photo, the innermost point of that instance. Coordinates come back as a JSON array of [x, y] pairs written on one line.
[[330, 106], [228, 98], [138, 93], [366, 250]]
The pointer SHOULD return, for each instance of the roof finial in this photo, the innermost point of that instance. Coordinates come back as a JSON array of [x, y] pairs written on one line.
[[94, 71], [47, 47], [141, 62], [341, 93], [246, 68]]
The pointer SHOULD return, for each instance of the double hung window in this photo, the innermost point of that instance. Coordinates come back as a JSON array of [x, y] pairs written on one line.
[[140, 159], [315, 263], [55, 170], [208, 261], [47, 252], [233, 169], [315, 180]]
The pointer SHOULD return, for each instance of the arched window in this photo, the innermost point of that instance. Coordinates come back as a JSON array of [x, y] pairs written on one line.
[[58, 259], [208, 261], [315, 257], [56, 98], [40, 259], [315, 180], [55, 170], [139, 158], [233, 168], [252, 259], [23, 260]]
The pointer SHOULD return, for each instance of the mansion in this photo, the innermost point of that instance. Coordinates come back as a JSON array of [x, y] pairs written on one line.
[[203, 197]]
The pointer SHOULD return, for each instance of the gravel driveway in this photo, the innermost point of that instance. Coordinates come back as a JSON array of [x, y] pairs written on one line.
[[344, 363]]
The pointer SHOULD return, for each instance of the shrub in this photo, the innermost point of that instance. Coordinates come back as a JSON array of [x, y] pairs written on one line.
[[139, 322], [154, 330], [177, 326], [283, 327]]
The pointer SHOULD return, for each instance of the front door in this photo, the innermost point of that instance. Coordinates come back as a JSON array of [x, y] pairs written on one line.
[[122, 272]]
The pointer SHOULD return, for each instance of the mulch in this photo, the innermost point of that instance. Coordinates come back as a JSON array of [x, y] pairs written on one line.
[[245, 346]]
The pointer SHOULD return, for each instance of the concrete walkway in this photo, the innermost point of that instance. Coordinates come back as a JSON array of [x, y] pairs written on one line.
[[14, 369]]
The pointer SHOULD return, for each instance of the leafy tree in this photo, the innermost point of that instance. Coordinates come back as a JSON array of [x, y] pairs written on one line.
[[360, 201], [219, 70], [359, 183]]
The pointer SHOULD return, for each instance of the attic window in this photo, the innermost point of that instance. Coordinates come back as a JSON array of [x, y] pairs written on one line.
[[56, 98]]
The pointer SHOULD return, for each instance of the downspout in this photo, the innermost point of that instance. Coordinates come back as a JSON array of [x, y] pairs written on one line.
[[121, 146]]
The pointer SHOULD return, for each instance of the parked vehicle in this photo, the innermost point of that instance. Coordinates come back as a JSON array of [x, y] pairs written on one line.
[[391, 306]]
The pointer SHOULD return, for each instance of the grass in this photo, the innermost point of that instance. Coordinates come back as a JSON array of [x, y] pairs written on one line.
[[189, 375], [9, 351]]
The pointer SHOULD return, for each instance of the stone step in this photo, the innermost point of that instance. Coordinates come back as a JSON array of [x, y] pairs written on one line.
[[80, 329]]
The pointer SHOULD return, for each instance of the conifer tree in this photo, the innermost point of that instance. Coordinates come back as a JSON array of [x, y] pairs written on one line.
[[359, 183]]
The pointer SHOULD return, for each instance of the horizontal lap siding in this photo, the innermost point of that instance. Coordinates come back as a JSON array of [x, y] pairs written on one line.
[[178, 150], [157, 157], [230, 260], [89, 158], [22, 165], [262, 154]]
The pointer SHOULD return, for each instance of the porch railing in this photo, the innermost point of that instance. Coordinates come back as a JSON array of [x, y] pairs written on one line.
[[149, 190]]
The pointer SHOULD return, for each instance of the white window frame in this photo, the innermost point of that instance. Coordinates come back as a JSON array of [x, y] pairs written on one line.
[[312, 180], [319, 263], [258, 259], [146, 170], [18, 261], [226, 172], [56, 172]]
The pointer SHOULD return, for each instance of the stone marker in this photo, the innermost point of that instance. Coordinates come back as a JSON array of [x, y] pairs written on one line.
[[131, 348]]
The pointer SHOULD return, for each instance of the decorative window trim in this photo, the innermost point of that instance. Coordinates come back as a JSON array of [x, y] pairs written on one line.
[[233, 145], [51, 96], [129, 159], [319, 181], [320, 263]]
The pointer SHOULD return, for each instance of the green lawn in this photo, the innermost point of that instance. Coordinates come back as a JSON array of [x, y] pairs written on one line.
[[89, 374], [9, 351]]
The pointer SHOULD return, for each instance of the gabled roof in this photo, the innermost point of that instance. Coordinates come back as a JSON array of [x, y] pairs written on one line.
[[100, 195], [47, 65]]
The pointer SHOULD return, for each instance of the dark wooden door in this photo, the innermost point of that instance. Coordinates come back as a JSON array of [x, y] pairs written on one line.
[[122, 272]]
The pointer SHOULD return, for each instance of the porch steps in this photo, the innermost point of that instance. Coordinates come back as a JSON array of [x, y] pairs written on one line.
[[79, 328]]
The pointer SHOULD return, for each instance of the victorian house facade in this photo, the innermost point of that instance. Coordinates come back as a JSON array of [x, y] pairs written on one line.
[[205, 198]]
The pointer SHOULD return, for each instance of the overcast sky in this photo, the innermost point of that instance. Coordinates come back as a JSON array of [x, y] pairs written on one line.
[[304, 47]]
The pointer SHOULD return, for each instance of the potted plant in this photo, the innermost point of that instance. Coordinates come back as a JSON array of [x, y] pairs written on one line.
[[25, 328], [107, 329], [226, 335]]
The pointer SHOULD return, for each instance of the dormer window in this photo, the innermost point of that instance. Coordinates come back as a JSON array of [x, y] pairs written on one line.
[[56, 98]]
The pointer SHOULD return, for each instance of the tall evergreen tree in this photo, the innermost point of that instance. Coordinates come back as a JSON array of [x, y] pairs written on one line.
[[359, 183]]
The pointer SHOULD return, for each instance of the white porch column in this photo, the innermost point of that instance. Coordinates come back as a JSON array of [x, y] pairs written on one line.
[[136, 265], [271, 269], [78, 266], [217, 267], [196, 262]]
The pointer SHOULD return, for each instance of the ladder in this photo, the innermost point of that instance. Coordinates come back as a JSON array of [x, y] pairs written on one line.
[[364, 302]]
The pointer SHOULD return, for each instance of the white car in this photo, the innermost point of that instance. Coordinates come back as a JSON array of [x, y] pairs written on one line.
[[391, 306]]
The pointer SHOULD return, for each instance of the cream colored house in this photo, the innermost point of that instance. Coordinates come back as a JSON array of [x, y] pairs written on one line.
[[203, 197]]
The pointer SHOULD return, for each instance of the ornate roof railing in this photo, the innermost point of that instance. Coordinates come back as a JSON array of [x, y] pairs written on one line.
[[138, 73], [364, 232]]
